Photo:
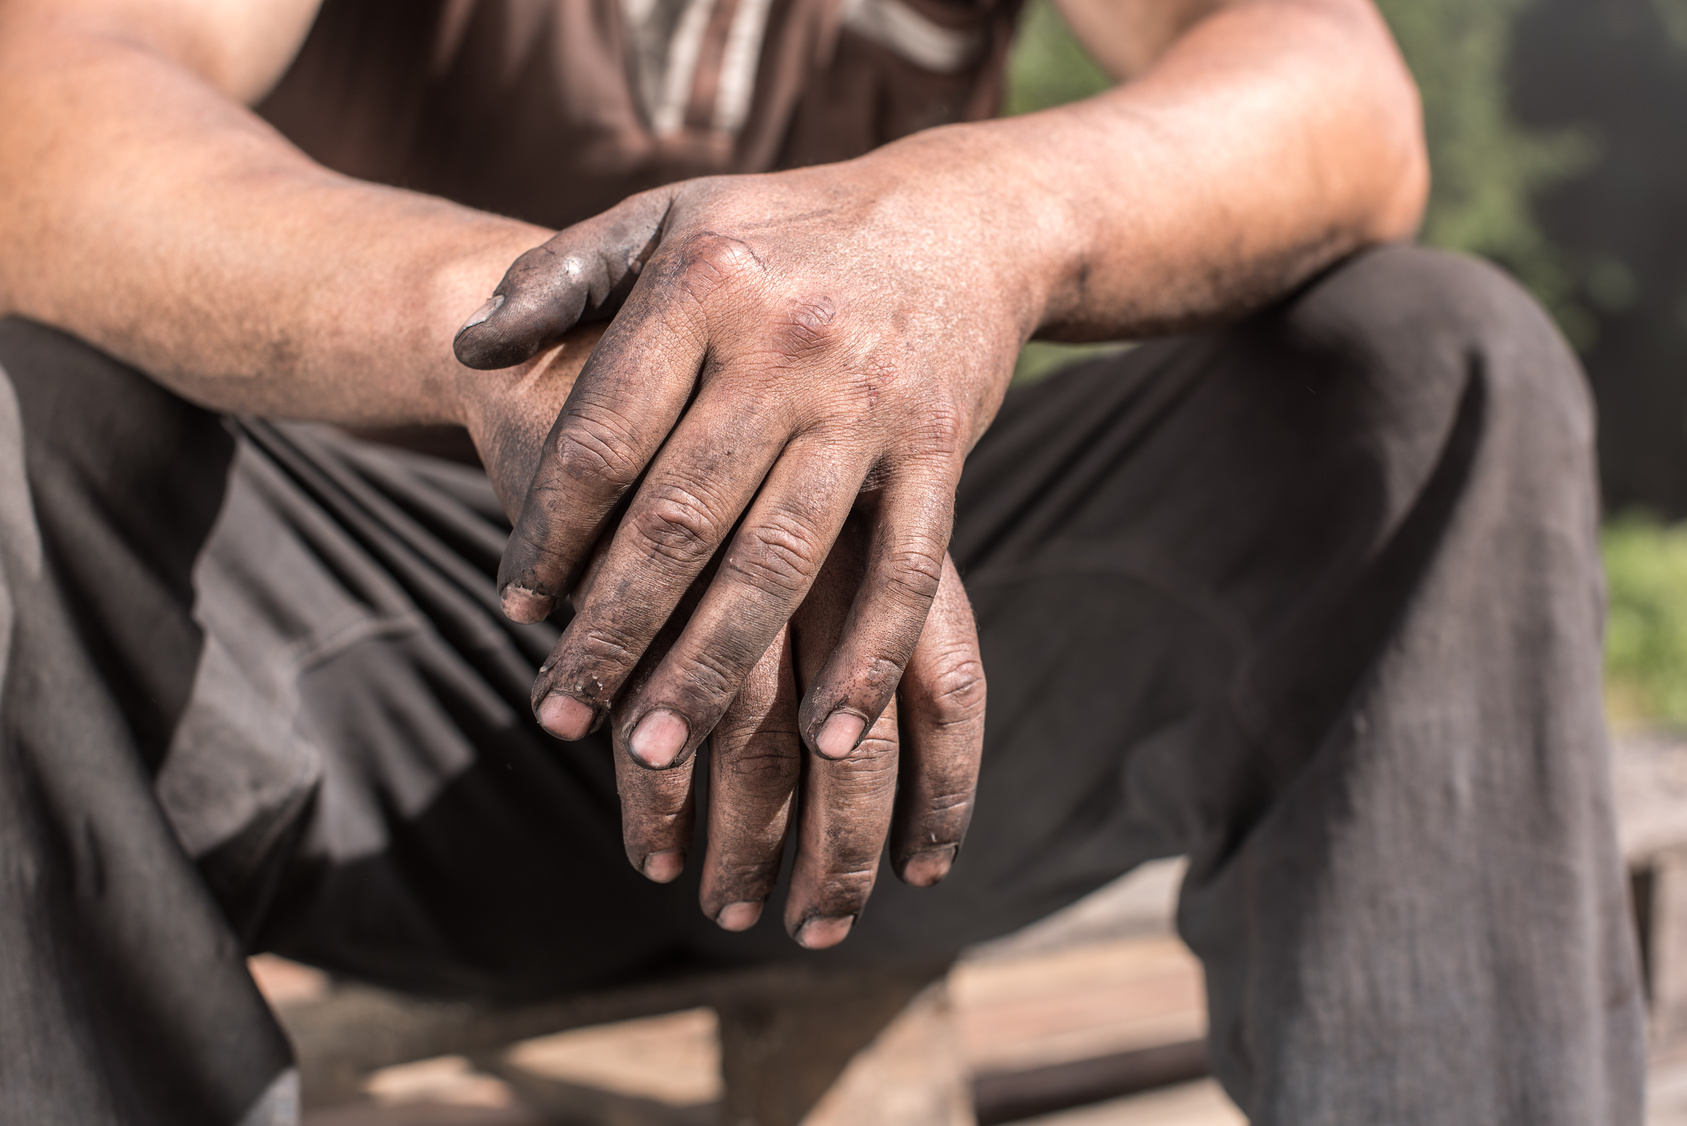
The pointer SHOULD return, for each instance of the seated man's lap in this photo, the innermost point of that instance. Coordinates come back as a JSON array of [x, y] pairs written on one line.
[[1146, 540], [1171, 556]]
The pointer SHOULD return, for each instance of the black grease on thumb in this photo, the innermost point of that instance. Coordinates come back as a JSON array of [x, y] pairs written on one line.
[[540, 298], [581, 275]]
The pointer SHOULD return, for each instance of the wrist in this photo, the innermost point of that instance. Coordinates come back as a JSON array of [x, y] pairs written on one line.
[[458, 285], [986, 189]]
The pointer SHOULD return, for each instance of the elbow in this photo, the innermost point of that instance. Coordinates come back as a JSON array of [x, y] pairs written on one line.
[[1397, 193], [1402, 191]]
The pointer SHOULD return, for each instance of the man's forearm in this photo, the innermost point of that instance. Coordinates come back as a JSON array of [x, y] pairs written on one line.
[[147, 212], [1272, 138]]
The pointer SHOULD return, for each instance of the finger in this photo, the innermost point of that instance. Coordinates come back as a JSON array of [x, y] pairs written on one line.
[[846, 813], [941, 702], [657, 816], [510, 433], [846, 804], [582, 273], [755, 762], [910, 535], [764, 575], [658, 810], [596, 451], [621, 410], [582, 589]]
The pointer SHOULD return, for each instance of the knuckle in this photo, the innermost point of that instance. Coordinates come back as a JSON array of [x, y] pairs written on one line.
[[599, 657], [606, 643], [808, 328], [740, 879], [781, 554], [762, 768], [597, 445], [677, 525], [653, 818], [868, 768], [710, 679], [882, 672], [912, 575], [709, 262], [875, 755], [742, 869], [942, 429], [845, 885], [942, 809], [956, 694]]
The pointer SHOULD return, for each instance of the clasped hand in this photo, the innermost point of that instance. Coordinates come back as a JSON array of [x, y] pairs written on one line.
[[748, 496]]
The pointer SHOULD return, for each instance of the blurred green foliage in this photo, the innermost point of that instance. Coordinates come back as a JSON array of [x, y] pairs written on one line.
[[1485, 166], [1048, 67], [1646, 632]]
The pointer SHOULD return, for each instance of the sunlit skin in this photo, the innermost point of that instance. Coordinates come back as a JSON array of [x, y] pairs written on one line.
[[747, 488]]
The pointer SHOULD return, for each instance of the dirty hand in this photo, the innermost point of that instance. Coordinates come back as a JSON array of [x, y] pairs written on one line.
[[791, 354]]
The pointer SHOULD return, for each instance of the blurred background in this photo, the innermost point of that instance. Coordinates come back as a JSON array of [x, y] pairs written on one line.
[[1556, 132]]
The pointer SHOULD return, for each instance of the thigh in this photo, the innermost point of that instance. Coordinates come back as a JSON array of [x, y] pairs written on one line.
[[123, 995], [449, 845]]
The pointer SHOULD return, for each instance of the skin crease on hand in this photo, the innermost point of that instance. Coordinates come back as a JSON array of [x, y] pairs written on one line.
[[761, 453]]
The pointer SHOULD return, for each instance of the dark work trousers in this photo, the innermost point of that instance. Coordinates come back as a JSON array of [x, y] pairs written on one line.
[[1313, 598]]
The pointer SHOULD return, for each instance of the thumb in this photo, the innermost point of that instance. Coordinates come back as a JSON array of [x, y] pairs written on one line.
[[581, 274]]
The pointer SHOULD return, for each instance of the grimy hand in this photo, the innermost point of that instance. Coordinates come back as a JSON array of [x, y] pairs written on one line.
[[792, 355]]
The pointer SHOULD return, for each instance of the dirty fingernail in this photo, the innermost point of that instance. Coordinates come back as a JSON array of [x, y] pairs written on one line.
[[840, 734], [658, 737], [665, 866], [492, 305], [565, 717], [738, 916], [817, 934], [926, 868], [526, 606]]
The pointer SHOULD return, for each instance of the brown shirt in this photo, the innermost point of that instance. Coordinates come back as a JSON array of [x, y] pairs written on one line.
[[552, 110]]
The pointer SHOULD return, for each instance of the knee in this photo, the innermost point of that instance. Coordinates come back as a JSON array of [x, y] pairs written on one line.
[[1437, 338], [1428, 316], [85, 412], [108, 453]]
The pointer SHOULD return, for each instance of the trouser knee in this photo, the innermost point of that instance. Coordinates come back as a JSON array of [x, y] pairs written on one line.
[[1439, 337], [124, 480]]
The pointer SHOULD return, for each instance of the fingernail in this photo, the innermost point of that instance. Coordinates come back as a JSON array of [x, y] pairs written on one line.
[[926, 868], [526, 606], [840, 734], [658, 737], [818, 934], [665, 866], [565, 717], [480, 314], [738, 916]]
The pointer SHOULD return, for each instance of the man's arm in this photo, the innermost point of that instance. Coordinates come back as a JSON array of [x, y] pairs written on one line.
[[1262, 138], [145, 209]]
